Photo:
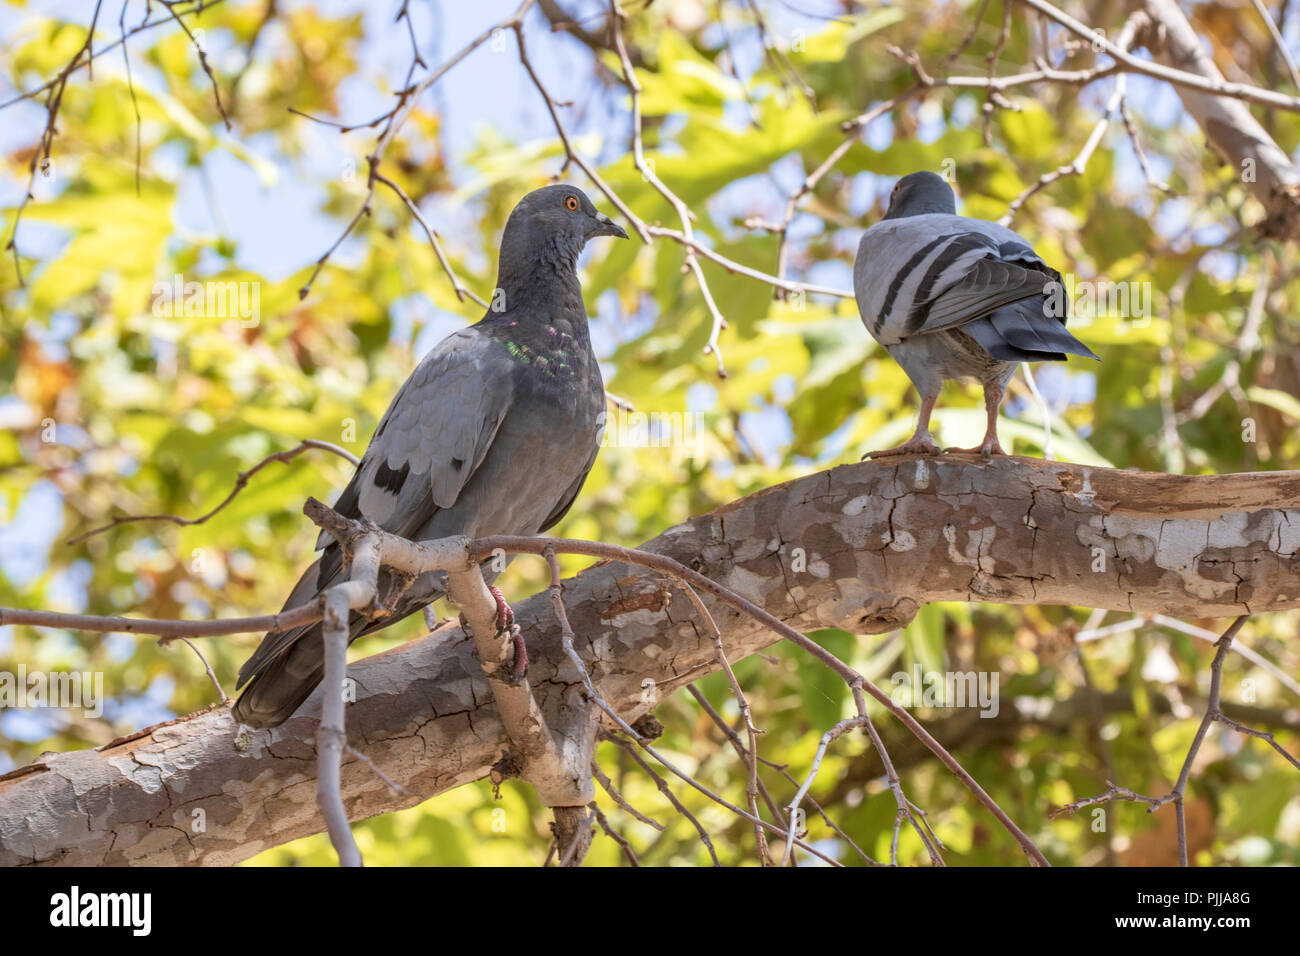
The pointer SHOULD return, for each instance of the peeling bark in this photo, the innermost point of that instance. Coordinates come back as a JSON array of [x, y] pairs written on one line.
[[877, 540]]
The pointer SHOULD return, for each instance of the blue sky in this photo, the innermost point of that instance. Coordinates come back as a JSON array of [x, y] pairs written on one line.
[[278, 228]]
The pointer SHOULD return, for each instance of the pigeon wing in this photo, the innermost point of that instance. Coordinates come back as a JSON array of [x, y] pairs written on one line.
[[433, 437], [435, 434], [986, 285], [925, 273]]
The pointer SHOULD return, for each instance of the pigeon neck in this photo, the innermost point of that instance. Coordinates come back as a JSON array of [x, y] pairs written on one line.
[[534, 267], [549, 335], [921, 206], [538, 314], [537, 282]]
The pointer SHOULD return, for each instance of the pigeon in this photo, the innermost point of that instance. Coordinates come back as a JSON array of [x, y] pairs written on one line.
[[950, 297], [494, 432]]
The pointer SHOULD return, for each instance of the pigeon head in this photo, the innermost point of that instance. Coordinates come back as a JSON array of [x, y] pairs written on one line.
[[919, 193], [549, 228]]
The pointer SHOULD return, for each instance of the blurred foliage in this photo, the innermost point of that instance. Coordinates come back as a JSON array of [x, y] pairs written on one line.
[[155, 413]]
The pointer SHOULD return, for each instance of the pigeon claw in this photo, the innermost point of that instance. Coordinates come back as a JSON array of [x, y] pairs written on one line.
[[917, 445], [506, 623], [989, 449], [505, 613], [521, 655]]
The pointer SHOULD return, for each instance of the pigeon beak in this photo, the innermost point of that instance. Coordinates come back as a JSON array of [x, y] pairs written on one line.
[[608, 227]]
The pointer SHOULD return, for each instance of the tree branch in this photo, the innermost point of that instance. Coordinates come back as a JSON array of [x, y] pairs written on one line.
[[876, 540], [1227, 123]]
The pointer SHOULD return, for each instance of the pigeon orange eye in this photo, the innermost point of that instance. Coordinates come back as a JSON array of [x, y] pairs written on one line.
[[571, 203]]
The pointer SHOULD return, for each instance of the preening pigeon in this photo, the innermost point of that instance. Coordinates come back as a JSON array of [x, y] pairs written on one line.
[[952, 297], [493, 433]]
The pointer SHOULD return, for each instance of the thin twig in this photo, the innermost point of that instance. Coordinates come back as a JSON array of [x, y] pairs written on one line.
[[747, 718], [780, 62], [608, 785], [212, 676], [684, 214], [1177, 796], [671, 797], [241, 481], [41, 155], [393, 785], [203, 60], [457, 286], [130, 85], [855, 129], [739, 747], [610, 832], [1279, 42]]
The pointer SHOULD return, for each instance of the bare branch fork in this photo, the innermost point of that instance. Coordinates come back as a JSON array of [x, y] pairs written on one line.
[[1114, 105], [393, 121], [556, 764], [1196, 81], [1213, 713], [241, 481], [1219, 107], [521, 545], [85, 57]]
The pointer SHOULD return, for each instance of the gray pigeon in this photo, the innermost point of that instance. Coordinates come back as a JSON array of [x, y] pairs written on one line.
[[951, 297], [493, 433]]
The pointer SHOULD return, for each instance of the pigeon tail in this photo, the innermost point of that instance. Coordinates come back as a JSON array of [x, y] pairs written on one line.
[[277, 690], [1021, 332], [280, 686], [286, 667]]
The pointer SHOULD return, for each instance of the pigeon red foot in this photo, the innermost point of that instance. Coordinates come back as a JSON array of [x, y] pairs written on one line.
[[506, 622], [917, 445], [920, 443], [990, 448]]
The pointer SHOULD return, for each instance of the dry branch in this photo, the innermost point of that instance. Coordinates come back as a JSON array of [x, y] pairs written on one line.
[[1229, 127]]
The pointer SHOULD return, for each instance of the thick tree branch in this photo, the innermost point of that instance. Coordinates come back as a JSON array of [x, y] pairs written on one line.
[[1185, 79], [1227, 123], [859, 547]]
